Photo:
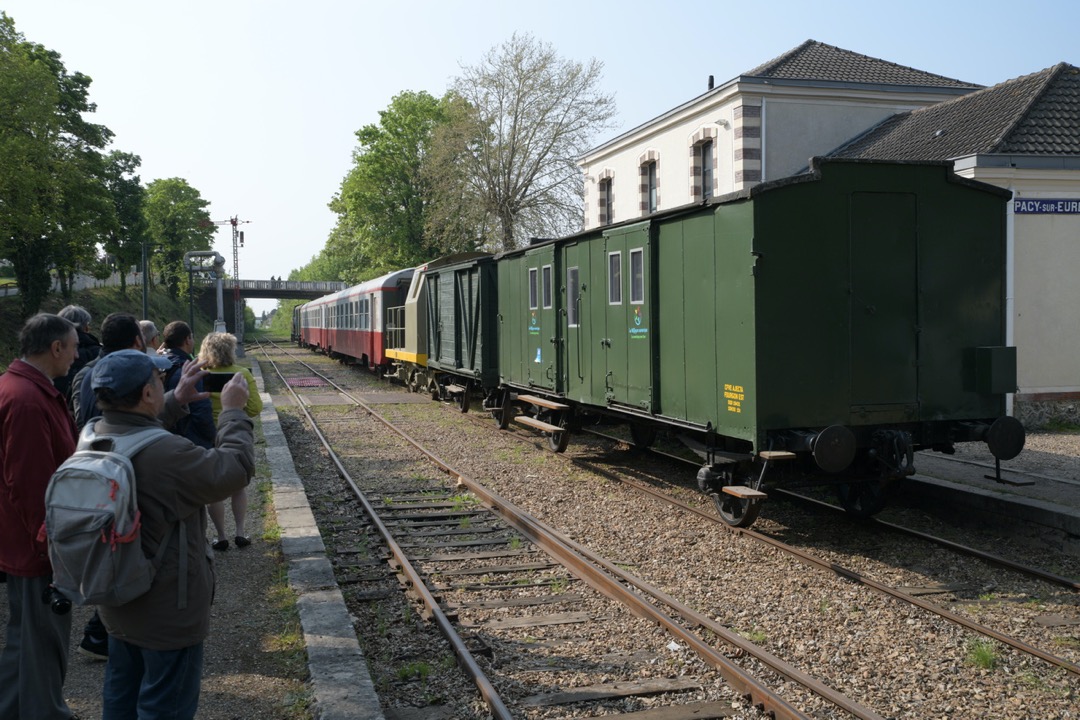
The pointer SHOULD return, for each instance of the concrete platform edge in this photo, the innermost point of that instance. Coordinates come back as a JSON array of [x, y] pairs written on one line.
[[340, 681], [1012, 507]]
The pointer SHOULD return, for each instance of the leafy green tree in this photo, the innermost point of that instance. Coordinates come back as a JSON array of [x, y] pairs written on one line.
[[526, 115], [50, 194], [126, 237], [382, 203], [177, 223]]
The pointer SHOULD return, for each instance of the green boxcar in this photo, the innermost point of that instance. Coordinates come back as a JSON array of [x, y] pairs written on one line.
[[462, 307], [835, 321]]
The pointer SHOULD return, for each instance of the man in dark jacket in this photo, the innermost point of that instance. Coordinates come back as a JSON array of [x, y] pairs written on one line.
[[156, 640], [36, 435], [198, 426], [119, 331], [89, 347]]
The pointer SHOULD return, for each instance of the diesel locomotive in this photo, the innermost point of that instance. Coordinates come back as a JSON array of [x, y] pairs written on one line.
[[820, 328]]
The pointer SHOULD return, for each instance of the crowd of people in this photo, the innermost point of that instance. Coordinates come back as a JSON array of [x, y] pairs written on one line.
[[133, 378]]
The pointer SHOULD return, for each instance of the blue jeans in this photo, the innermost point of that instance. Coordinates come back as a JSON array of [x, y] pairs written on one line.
[[143, 684]]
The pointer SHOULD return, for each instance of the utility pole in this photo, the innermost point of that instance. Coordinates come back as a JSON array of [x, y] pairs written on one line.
[[238, 307]]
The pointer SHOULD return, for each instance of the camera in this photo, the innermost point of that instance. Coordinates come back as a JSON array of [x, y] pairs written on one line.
[[215, 381], [56, 600]]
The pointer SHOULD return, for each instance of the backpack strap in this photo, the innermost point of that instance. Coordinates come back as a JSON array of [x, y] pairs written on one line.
[[128, 444]]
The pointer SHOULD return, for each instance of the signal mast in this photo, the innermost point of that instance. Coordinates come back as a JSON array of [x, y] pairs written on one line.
[[238, 309]]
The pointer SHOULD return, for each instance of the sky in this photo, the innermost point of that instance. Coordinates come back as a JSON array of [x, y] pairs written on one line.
[[255, 103]]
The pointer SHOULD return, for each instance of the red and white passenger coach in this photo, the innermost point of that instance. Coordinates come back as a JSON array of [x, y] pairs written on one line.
[[352, 323]]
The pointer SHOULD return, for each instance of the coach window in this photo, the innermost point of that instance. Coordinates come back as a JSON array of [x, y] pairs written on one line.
[[614, 278], [637, 276], [573, 295], [547, 286], [532, 289]]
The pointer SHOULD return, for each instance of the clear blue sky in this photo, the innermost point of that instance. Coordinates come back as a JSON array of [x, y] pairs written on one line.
[[255, 102]]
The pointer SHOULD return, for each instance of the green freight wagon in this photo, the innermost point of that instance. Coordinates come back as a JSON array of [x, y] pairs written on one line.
[[449, 321], [820, 327]]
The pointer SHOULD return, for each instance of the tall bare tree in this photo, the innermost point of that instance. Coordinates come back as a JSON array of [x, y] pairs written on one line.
[[525, 115]]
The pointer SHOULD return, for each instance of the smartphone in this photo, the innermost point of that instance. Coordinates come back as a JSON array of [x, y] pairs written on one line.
[[215, 381]]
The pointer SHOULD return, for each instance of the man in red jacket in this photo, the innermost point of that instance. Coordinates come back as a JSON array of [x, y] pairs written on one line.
[[37, 433]]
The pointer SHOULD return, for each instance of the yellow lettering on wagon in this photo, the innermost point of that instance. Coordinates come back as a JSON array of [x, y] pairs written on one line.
[[734, 396]]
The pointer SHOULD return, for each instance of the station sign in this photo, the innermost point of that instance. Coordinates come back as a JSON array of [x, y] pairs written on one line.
[[1046, 206]]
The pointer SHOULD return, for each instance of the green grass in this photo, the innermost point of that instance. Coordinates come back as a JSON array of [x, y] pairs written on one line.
[[1060, 426], [982, 653], [755, 635], [419, 670]]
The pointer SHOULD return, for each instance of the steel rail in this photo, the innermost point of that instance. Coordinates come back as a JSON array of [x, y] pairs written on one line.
[[487, 690], [845, 572], [571, 555], [605, 584], [991, 558]]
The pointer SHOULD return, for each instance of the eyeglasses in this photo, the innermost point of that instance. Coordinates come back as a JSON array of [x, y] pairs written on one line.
[[162, 374]]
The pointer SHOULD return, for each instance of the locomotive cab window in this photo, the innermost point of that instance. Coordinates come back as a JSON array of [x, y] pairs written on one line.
[[614, 278], [547, 286], [573, 296], [637, 276], [532, 289]]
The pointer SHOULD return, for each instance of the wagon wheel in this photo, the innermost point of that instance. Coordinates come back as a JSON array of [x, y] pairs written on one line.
[[557, 441], [465, 397], [735, 511], [413, 382], [865, 498], [434, 389], [503, 412], [641, 435]]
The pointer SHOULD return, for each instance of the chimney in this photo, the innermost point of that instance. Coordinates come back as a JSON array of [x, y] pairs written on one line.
[[710, 82]]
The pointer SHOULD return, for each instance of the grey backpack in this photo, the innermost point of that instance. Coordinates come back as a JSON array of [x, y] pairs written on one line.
[[93, 524]]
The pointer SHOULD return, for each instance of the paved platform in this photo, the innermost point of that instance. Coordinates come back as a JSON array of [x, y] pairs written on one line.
[[1025, 500], [340, 682]]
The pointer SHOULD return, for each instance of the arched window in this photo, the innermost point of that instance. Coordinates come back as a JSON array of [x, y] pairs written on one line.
[[703, 178], [606, 202], [649, 170]]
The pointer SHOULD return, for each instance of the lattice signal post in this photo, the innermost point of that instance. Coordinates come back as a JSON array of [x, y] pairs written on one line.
[[238, 307]]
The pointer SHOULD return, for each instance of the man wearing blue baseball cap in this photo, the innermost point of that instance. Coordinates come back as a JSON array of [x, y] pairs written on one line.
[[156, 641]]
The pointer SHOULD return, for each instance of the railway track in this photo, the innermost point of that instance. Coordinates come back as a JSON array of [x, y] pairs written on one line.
[[853, 578], [433, 518]]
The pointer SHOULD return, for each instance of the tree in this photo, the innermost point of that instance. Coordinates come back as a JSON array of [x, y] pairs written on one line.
[[127, 235], [51, 209], [177, 223], [383, 201], [525, 115]]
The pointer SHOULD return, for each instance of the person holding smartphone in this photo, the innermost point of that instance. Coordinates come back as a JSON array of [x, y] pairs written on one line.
[[218, 352]]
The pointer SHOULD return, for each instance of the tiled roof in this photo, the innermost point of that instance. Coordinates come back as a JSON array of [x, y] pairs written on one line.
[[1037, 114], [817, 61]]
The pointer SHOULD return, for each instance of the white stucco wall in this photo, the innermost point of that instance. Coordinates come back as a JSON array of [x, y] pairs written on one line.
[[1045, 293], [796, 130]]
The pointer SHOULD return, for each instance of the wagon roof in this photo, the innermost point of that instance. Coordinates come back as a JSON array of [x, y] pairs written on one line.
[[383, 281]]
